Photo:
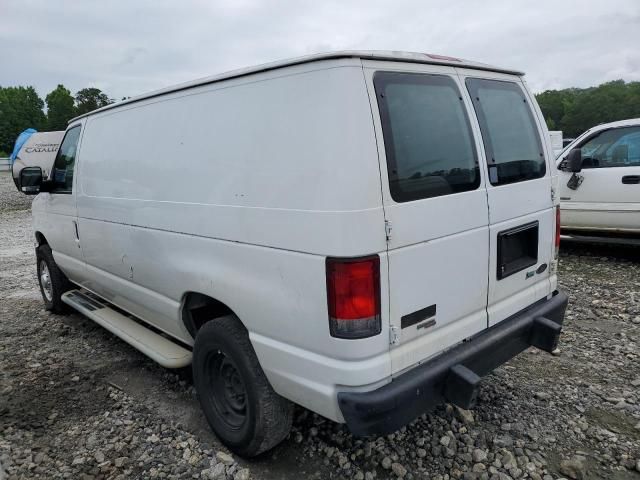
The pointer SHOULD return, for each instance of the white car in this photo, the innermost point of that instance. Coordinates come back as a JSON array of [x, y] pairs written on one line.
[[365, 234], [599, 181]]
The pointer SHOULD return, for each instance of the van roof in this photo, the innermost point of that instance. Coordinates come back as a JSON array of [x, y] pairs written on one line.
[[388, 55]]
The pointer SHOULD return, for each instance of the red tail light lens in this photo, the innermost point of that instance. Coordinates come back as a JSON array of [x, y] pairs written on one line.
[[353, 294], [557, 230]]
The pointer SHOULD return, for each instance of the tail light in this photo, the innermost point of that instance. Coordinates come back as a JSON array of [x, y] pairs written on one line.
[[353, 294], [557, 230]]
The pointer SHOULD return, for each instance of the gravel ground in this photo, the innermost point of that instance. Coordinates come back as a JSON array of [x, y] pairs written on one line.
[[78, 403]]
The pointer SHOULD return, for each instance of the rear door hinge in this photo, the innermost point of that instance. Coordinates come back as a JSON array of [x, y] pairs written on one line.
[[394, 335], [387, 229], [553, 195]]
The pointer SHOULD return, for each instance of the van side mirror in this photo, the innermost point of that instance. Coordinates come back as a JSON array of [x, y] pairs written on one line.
[[30, 180], [574, 161]]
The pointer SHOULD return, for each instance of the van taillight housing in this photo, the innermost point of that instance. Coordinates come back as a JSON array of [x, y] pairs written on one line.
[[557, 243], [353, 296]]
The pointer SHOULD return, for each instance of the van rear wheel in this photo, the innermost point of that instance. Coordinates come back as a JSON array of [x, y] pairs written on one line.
[[53, 283], [239, 403]]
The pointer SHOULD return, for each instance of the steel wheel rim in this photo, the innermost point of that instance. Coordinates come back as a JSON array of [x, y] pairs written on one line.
[[45, 281], [228, 393]]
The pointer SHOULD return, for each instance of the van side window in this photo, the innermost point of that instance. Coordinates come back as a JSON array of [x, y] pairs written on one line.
[[62, 173], [428, 141], [619, 147], [511, 139]]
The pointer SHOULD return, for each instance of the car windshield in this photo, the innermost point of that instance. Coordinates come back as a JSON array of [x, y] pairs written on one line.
[[568, 147]]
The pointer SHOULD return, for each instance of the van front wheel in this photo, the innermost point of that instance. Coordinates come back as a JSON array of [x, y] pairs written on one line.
[[241, 407], [53, 283]]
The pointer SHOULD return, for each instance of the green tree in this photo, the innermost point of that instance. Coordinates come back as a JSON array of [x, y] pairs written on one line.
[[89, 99], [551, 124], [575, 110], [592, 106], [60, 108], [551, 104], [20, 108]]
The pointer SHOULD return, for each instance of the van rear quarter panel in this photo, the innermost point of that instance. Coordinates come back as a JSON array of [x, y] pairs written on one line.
[[239, 190]]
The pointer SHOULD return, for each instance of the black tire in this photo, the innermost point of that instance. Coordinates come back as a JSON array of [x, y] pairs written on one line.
[[51, 294], [235, 395]]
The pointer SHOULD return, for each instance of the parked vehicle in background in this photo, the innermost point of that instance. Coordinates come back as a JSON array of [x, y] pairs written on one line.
[[599, 181], [365, 234], [567, 141], [39, 150]]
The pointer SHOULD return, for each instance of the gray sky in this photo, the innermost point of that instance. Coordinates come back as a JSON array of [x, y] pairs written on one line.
[[128, 47]]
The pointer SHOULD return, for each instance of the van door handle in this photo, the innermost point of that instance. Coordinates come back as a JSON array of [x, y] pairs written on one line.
[[631, 179], [75, 229]]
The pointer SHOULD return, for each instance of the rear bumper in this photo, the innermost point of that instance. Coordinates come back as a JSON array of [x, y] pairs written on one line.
[[454, 375]]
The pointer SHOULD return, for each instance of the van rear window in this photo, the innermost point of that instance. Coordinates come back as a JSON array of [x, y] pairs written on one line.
[[511, 140], [428, 140]]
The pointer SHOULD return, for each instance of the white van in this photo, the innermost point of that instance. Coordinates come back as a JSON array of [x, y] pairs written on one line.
[[599, 181], [364, 234]]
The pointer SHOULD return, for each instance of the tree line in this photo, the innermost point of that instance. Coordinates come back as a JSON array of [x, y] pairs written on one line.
[[572, 110], [22, 108]]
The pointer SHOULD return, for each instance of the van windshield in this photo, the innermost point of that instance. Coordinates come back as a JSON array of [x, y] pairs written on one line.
[[511, 140], [428, 140]]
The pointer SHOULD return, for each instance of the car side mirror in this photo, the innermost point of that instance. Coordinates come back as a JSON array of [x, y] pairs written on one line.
[[574, 161], [30, 180]]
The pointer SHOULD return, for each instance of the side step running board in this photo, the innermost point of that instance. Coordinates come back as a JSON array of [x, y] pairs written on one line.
[[155, 346]]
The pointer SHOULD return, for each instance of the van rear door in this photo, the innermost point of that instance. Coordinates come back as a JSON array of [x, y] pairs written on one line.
[[435, 205], [521, 205]]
